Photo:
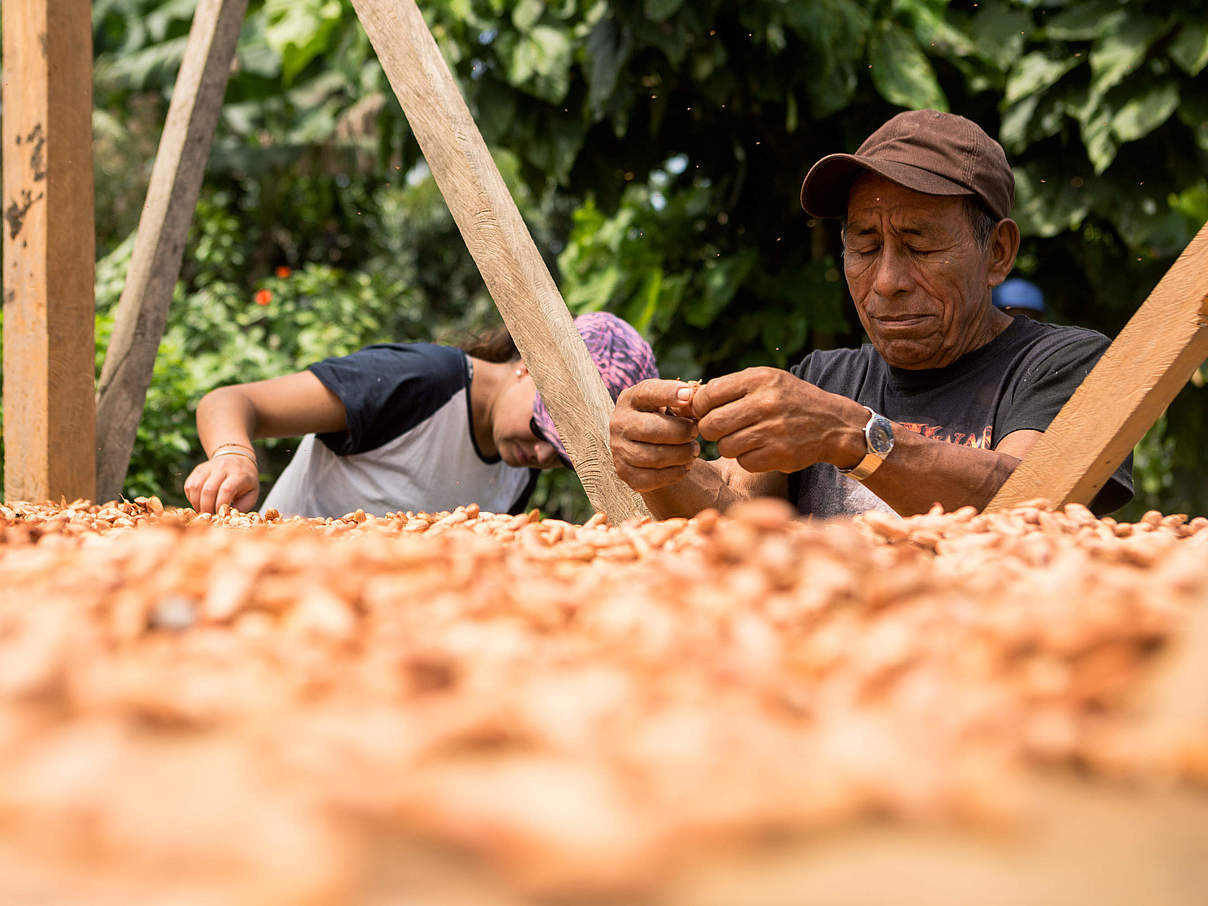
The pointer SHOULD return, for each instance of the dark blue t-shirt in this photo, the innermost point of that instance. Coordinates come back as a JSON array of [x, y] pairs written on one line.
[[1017, 381], [409, 444]]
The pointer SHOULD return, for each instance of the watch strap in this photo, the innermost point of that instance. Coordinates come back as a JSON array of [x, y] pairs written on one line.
[[871, 461]]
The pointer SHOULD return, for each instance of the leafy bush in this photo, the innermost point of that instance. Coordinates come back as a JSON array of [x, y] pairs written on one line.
[[655, 149]]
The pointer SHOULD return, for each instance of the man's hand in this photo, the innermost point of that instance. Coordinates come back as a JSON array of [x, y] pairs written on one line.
[[229, 479], [770, 421], [651, 447]]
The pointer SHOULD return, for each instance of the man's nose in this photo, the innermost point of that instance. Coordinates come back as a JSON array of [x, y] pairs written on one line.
[[893, 271]]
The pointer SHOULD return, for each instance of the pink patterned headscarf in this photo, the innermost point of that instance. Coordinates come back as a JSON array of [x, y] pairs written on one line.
[[620, 353]]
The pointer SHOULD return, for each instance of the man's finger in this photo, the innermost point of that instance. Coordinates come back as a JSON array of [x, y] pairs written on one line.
[[637, 455], [739, 444], [642, 480], [725, 389], [654, 394], [654, 428], [727, 420]]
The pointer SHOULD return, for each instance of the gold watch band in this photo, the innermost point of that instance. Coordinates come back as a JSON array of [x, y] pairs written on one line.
[[871, 461]]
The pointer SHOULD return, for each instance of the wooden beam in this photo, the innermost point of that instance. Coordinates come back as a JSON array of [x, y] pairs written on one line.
[[498, 239], [1148, 363], [163, 227], [49, 251]]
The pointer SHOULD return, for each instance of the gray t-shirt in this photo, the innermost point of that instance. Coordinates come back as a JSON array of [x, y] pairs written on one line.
[[409, 444], [1017, 381]]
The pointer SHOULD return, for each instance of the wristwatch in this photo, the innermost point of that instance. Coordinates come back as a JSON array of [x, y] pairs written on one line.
[[878, 441]]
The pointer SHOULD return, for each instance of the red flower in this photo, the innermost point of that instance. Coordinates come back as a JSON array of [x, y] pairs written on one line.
[[283, 271], [263, 297]]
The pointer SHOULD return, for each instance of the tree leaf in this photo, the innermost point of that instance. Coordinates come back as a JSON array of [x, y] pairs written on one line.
[[300, 30], [527, 13], [1013, 128], [721, 279], [836, 32], [901, 72], [1097, 136], [1035, 73], [608, 49], [1121, 50], [540, 63], [1085, 21], [998, 32], [933, 31], [1047, 202], [1144, 112], [1190, 47], [661, 10]]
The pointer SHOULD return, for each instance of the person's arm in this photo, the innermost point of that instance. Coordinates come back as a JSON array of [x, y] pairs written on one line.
[[656, 453], [770, 421], [230, 418]]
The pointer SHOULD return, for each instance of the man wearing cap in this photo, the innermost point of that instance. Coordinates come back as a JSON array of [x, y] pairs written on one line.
[[939, 406]]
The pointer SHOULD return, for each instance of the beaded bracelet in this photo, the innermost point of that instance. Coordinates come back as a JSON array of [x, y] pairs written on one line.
[[246, 455]]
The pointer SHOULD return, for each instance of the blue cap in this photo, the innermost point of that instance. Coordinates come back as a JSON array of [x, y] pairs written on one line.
[[1018, 293]]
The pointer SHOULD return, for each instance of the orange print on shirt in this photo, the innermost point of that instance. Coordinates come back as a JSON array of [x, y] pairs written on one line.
[[960, 438]]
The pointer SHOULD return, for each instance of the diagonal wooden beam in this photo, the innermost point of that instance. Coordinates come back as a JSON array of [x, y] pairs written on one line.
[[49, 250], [498, 239], [163, 227], [1148, 363]]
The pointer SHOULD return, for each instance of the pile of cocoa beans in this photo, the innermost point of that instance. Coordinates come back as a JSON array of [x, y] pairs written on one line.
[[260, 709]]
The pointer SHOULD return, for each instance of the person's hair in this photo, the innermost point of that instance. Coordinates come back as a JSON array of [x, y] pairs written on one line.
[[492, 345], [981, 221]]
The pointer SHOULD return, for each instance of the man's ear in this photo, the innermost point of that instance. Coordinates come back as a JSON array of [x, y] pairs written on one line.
[[1002, 249]]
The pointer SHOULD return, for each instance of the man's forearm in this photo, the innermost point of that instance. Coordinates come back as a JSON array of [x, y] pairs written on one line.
[[921, 471], [717, 484], [703, 487]]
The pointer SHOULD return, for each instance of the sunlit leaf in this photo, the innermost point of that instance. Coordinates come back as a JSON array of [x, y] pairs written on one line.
[[1121, 50], [1097, 137], [301, 30], [901, 72], [540, 63], [1085, 21], [527, 13], [1190, 47], [1144, 112], [1036, 72], [1047, 202]]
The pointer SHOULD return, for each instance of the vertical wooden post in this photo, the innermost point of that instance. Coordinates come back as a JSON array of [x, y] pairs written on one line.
[[498, 239], [49, 251], [163, 227]]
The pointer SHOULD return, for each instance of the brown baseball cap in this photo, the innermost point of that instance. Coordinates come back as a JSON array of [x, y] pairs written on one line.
[[925, 150]]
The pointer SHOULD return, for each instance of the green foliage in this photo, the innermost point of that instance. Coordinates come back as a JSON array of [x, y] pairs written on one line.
[[656, 148]]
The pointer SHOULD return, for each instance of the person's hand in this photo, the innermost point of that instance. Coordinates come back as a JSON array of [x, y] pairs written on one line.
[[229, 479], [770, 421], [651, 446]]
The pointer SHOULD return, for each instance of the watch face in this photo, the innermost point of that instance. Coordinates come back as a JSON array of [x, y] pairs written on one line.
[[880, 436]]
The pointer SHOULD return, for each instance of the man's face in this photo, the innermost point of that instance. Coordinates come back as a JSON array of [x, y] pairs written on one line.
[[919, 278]]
